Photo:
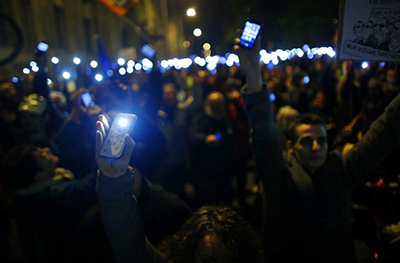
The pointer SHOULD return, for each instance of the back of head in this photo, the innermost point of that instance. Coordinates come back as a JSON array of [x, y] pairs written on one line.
[[19, 167], [306, 118], [231, 229]]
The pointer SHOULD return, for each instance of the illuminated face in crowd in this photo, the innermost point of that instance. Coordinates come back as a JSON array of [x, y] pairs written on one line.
[[311, 146]]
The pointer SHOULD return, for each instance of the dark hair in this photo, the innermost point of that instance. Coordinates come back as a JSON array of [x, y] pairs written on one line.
[[19, 167], [306, 118], [233, 231]]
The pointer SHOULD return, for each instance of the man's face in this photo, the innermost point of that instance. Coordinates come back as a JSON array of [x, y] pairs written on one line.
[[311, 146], [380, 30], [367, 30], [357, 29]]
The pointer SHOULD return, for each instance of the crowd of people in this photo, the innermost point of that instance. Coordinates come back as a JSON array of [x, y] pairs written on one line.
[[180, 191]]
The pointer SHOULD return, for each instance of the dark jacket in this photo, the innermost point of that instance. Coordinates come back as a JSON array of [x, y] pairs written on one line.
[[307, 216]]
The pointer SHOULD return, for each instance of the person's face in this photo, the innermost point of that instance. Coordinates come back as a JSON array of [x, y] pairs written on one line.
[[311, 146], [46, 160], [367, 30], [210, 249], [396, 33], [357, 29], [380, 30]]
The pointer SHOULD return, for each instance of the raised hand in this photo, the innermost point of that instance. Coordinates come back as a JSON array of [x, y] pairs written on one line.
[[112, 167]]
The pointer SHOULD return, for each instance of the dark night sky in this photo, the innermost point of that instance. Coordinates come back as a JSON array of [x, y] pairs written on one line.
[[287, 23]]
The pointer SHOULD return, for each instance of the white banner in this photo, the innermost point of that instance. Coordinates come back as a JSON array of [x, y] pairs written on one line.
[[369, 30]]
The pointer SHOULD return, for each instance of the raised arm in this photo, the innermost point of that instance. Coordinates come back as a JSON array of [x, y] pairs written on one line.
[[382, 138], [118, 207], [265, 139]]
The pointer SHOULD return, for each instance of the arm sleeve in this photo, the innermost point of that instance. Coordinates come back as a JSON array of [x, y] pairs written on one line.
[[265, 140], [121, 219], [382, 138]]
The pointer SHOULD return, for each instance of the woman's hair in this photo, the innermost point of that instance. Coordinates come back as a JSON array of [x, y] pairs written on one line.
[[233, 231]]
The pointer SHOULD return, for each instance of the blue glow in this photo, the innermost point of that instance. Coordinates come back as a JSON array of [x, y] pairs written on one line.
[[270, 66], [306, 48], [306, 79], [218, 136], [88, 72], [272, 97], [15, 79], [110, 72], [32, 64], [382, 64]]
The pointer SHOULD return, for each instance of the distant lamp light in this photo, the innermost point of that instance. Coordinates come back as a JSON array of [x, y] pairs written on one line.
[[191, 12], [197, 32], [364, 65], [382, 64], [76, 61], [49, 81], [130, 63], [206, 46], [98, 77], [55, 60], [94, 64], [35, 69], [129, 70], [26, 71], [66, 75], [306, 48], [138, 66], [306, 79], [15, 79], [272, 97], [110, 72], [186, 44], [122, 71], [121, 61], [32, 64], [164, 64]]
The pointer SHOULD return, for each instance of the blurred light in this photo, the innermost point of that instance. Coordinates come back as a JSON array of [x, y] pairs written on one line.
[[94, 64], [26, 71], [122, 71], [306, 79], [32, 64], [310, 55], [191, 12], [186, 44], [229, 63], [66, 75], [270, 66], [364, 65], [275, 61], [299, 53], [272, 97], [197, 32], [49, 81], [130, 63], [110, 72], [35, 69], [147, 64], [122, 122], [98, 77], [55, 60], [314, 50], [306, 48], [206, 46], [15, 79], [76, 61], [382, 64], [130, 70], [222, 60], [211, 66], [200, 61], [331, 52], [121, 61], [185, 62], [88, 71], [164, 64], [138, 66]]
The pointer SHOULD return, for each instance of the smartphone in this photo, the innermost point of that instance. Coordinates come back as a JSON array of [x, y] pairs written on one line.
[[148, 51], [43, 46], [251, 31], [115, 140], [87, 99]]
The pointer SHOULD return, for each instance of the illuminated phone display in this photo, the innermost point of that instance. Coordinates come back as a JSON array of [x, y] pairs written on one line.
[[250, 33]]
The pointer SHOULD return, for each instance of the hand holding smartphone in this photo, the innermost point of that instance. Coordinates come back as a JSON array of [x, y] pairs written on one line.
[[87, 100], [251, 31]]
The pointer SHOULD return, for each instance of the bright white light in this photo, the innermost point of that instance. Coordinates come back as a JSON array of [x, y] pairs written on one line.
[[122, 71], [314, 50], [121, 61], [130, 63], [211, 66], [282, 54], [55, 60], [32, 64], [66, 75], [200, 61], [138, 66], [331, 52], [35, 69], [185, 62], [26, 71], [299, 53], [275, 61], [49, 81], [123, 122], [229, 63], [310, 55], [130, 70], [364, 65], [306, 79], [76, 61], [164, 64], [191, 12], [15, 79], [98, 77], [234, 58], [197, 32], [94, 64], [147, 64]]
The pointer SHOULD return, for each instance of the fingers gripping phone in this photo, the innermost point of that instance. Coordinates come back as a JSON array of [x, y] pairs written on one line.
[[87, 100], [114, 143], [251, 31]]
